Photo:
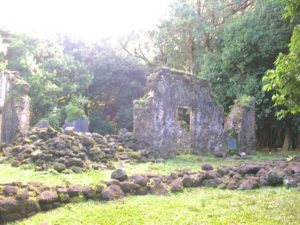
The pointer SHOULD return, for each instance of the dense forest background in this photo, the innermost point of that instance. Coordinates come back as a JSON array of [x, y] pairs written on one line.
[[243, 47]]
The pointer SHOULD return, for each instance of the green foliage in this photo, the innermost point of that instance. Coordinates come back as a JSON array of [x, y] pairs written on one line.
[[143, 101], [232, 133], [62, 73], [3, 51], [74, 111], [284, 80], [75, 108], [51, 73], [292, 8], [248, 47], [124, 118], [100, 124], [55, 117], [117, 82], [245, 100]]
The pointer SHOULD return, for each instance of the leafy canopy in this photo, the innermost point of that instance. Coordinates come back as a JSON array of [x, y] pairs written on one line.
[[284, 80]]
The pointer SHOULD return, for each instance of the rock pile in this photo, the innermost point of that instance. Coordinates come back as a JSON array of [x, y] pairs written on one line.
[[68, 150], [19, 201]]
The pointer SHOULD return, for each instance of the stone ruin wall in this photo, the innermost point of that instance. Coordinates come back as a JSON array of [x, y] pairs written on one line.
[[14, 105], [240, 129], [156, 115]]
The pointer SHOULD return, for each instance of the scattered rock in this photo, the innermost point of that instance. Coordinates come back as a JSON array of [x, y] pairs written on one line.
[[119, 174], [274, 178], [89, 192], [59, 167], [248, 169], [76, 169], [139, 179], [212, 182], [112, 192], [10, 210], [74, 190], [176, 186], [248, 184], [129, 187], [187, 181], [87, 141], [157, 187], [222, 171], [207, 167], [10, 190], [47, 200], [290, 182], [15, 163], [295, 159]]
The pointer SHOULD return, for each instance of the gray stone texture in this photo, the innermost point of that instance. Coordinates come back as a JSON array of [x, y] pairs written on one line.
[[14, 105], [156, 115], [240, 126]]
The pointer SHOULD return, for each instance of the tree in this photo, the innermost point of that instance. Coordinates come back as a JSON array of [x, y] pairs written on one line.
[[117, 82], [191, 30], [284, 80], [247, 46]]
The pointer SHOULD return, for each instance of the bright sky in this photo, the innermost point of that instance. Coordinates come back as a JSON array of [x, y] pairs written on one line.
[[87, 19]]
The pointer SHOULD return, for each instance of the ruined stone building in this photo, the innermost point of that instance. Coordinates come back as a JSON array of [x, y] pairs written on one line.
[[178, 114], [14, 105]]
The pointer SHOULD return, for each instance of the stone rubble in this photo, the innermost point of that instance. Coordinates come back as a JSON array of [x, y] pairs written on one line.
[[70, 151]]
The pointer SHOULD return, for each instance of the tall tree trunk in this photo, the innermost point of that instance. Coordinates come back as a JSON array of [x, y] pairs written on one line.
[[286, 142], [190, 58], [298, 141]]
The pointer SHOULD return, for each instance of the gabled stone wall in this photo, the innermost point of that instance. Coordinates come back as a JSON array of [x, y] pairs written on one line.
[[14, 105], [156, 115]]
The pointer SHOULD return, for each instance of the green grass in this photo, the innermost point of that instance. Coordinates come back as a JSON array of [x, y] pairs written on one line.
[[194, 162], [9, 174], [193, 206], [190, 162], [267, 206]]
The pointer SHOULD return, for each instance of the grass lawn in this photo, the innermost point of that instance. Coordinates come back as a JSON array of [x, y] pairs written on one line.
[[194, 206], [191, 162]]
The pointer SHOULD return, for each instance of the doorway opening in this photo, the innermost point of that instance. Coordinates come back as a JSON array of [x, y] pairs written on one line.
[[184, 117]]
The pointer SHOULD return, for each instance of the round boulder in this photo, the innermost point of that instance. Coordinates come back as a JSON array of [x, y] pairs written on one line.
[[176, 186], [187, 181], [119, 174], [59, 167], [274, 178], [112, 192], [207, 167]]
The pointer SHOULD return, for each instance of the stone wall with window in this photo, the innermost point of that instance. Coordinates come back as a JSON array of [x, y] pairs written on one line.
[[178, 114]]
